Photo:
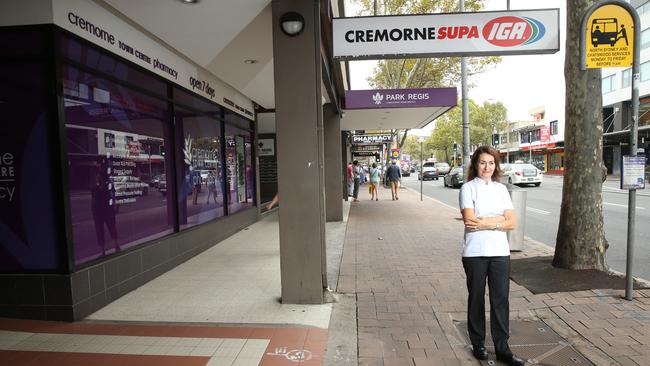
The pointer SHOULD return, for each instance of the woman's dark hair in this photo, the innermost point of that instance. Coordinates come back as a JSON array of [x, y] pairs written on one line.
[[473, 168], [374, 165], [356, 162]]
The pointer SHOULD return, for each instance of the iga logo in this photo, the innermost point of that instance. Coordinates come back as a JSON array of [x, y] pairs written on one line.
[[512, 31]]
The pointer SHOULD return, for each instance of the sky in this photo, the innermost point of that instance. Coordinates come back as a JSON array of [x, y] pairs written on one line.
[[521, 83]]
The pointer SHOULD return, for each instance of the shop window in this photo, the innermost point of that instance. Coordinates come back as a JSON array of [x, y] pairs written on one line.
[[239, 169], [116, 139], [553, 126], [201, 183], [74, 50]]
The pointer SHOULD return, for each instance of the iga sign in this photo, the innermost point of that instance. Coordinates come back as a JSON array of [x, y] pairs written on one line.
[[457, 34]]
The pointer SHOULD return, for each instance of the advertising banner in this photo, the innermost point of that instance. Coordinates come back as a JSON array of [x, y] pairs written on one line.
[[450, 34], [401, 98]]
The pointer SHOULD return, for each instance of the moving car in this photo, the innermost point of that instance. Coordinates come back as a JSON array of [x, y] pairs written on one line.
[[443, 168], [429, 171], [455, 178], [519, 174]]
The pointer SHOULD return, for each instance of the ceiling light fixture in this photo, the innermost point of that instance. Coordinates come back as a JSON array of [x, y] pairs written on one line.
[[292, 23], [250, 61], [189, 1]]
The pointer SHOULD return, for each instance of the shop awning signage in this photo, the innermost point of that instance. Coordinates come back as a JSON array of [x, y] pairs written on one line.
[[371, 139], [450, 34], [400, 98]]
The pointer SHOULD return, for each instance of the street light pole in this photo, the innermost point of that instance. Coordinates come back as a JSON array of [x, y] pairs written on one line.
[[421, 164], [464, 92]]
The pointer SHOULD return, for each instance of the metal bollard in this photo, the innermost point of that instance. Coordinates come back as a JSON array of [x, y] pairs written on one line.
[[516, 236]]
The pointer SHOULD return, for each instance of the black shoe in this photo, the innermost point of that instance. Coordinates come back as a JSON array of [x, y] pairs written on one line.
[[480, 352], [511, 359]]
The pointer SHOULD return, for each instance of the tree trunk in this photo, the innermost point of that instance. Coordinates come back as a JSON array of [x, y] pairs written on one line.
[[581, 242]]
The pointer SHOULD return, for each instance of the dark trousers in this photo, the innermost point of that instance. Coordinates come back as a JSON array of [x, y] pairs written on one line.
[[355, 192], [497, 272]]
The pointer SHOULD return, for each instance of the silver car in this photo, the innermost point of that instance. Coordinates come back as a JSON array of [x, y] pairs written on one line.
[[455, 178]]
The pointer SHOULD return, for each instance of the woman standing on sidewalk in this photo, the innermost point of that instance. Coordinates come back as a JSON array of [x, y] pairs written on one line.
[[374, 182], [487, 213]]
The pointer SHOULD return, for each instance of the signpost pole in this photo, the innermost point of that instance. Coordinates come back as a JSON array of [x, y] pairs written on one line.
[[421, 163], [592, 36], [631, 205]]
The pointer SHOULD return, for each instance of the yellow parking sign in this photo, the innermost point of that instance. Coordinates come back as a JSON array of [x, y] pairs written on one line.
[[609, 36]]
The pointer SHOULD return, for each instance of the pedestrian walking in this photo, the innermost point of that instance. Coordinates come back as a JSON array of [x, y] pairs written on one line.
[[374, 182], [487, 213], [394, 176], [356, 174], [350, 177]]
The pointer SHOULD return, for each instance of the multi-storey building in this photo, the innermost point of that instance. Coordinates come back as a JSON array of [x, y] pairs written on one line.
[[539, 141]]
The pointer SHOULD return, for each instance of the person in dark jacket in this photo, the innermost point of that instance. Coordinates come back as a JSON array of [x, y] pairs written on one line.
[[394, 176]]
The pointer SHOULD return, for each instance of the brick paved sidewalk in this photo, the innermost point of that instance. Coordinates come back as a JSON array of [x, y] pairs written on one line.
[[402, 260]]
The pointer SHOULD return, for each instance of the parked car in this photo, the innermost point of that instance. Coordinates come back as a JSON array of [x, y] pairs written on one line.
[[406, 170], [129, 186], [443, 168], [455, 178], [520, 174], [429, 171]]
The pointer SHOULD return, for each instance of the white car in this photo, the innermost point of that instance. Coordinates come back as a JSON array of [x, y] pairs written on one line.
[[520, 174]]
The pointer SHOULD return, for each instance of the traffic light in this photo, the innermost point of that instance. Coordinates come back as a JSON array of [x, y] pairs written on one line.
[[377, 160], [455, 146], [495, 139]]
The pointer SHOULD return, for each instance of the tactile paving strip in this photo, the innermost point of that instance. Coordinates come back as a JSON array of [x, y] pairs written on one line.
[[535, 342]]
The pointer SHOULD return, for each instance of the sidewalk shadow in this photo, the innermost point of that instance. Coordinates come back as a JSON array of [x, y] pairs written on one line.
[[539, 276]]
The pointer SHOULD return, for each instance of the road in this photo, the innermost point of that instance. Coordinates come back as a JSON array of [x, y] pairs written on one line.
[[543, 212]]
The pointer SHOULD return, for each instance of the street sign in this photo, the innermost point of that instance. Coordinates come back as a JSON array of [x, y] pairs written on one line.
[[609, 35]]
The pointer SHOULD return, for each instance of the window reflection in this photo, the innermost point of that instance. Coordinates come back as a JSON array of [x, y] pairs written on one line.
[[116, 158]]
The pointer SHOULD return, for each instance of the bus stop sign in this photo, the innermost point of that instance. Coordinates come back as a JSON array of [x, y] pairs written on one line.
[[609, 37]]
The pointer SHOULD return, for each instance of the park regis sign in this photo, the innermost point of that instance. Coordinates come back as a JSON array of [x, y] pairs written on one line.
[[609, 36], [449, 34]]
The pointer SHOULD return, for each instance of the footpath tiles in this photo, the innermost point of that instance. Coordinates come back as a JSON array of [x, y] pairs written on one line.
[[36, 343]]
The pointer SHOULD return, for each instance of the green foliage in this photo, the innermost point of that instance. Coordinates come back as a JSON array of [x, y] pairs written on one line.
[[483, 120], [422, 72]]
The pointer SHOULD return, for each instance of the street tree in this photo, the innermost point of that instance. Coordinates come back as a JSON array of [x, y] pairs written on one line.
[[421, 72], [485, 119], [581, 242]]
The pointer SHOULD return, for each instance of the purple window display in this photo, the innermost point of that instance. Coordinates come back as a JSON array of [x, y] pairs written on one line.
[[201, 185], [239, 173], [116, 141], [28, 234]]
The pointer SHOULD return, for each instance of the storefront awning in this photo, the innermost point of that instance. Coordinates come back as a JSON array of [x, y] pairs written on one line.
[[395, 108]]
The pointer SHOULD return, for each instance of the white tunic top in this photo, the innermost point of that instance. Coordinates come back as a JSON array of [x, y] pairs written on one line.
[[487, 199]]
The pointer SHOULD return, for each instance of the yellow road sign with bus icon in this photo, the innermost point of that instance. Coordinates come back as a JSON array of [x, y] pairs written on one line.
[[610, 37]]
